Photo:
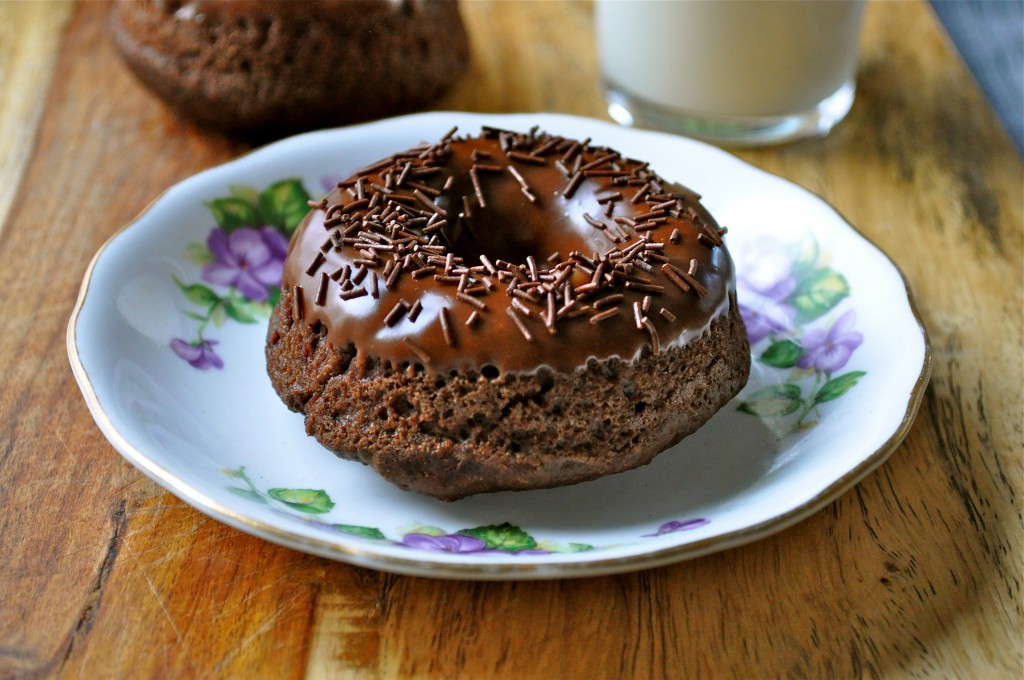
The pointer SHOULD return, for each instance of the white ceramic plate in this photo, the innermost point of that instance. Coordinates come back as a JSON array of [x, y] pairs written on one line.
[[166, 342]]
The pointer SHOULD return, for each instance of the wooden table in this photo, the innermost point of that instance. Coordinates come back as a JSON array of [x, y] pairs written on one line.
[[914, 573]]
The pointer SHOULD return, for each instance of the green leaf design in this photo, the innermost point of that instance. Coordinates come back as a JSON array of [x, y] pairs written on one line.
[[563, 548], [313, 501], [773, 401], [198, 294], [232, 213], [579, 547], [425, 529], [262, 309], [247, 494], [235, 474], [275, 297], [364, 532], [837, 387], [198, 254], [240, 310], [818, 292], [782, 354], [505, 536], [807, 259], [245, 193], [284, 204], [219, 314]]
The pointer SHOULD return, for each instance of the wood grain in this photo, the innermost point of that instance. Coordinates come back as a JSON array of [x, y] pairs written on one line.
[[916, 573], [29, 40]]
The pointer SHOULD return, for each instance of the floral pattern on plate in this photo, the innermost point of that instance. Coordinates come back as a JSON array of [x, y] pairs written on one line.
[[788, 295], [504, 538], [242, 261]]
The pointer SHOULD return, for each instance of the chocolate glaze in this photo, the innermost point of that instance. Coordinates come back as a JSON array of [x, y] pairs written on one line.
[[510, 229]]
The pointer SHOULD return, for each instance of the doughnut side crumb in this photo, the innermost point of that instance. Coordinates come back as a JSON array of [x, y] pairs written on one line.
[[464, 433], [268, 69]]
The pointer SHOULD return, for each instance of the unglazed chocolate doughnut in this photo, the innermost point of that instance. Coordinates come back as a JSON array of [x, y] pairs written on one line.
[[506, 311], [267, 68]]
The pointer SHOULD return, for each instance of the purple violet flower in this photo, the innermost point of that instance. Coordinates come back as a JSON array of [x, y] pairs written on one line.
[[453, 543], [675, 525], [199, 355], [829, 351], [765, 279], [250, 260], [277, 242]]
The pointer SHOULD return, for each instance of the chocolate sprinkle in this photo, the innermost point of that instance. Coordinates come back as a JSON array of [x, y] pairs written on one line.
[[476, 188], [638, 315], [321, 291], [471, 300], [526, 158], [446, 327], [670, 273], [352, 294], [317, 261], [414, 312], [521, 306], [574, 183], [396, 313], [520, 324], [417, 350], [297, 305], [606, 314], [655, 341]]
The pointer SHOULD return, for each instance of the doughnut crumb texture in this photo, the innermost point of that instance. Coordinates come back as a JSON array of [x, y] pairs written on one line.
[[506, 311], [267, 68]]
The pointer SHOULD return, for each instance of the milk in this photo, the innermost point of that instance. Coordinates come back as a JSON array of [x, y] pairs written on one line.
[[729, 58]]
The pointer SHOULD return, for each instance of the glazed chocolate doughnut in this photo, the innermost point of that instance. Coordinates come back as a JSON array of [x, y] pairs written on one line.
[[267, 68], [506, 311]]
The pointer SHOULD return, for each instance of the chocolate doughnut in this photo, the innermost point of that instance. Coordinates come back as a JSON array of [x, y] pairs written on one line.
[[267, 68], [506, 311]]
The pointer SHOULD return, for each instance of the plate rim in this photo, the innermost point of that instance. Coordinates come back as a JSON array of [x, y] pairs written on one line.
[[356, 555]]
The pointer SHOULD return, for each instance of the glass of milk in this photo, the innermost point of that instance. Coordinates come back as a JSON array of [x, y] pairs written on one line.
[[732, 72]]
